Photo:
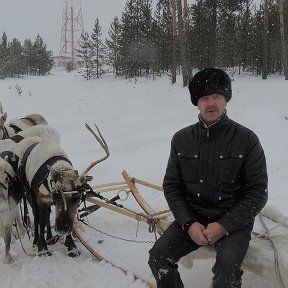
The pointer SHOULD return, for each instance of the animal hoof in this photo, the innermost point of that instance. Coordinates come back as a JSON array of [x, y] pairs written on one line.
[[8, 259], [53, 240], [44, 253], [74, 253]]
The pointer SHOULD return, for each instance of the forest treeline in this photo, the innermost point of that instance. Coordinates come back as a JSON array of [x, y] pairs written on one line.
[[29, 58], [176, 37]]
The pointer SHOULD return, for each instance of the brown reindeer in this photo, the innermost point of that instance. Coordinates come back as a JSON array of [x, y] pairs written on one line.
[[50, 179]]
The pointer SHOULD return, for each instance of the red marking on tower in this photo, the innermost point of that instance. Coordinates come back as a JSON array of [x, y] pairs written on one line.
[[72, 27]]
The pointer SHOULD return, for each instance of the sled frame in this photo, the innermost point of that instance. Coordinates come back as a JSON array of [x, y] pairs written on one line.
[[157, 221], [150, 216]]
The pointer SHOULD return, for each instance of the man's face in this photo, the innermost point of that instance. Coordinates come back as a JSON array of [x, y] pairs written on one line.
[[211, 107]]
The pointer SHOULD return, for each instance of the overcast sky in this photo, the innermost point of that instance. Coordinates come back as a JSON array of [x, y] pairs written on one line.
[[24, 19], [27, 18]]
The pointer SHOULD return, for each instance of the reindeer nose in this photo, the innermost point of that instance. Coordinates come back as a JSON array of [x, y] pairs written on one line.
[[62, 231], [62, 227]]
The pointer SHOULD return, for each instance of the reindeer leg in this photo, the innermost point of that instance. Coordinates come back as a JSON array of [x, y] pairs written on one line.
[[36, 214], [7, 239], [50, 240], [72, 250], [42, 246]]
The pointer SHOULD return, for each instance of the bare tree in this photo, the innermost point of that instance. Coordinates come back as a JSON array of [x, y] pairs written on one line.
[[186, 30], [212, 48], [174, 34], [283, 42], [265, 44], [183, 47]]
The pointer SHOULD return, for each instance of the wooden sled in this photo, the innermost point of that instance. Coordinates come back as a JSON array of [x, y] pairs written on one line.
[[265, 255]]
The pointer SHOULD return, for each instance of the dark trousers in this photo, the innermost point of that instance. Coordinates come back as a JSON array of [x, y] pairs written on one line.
[[176, 243]]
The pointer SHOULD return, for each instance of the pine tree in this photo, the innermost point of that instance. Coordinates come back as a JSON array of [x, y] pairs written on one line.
[[227, 41], [199, 40], [15, 60], [245, 35], [273, 39], [85, 56], [113, 45], [3, 55], [28, 52], [147, 39], [42, 62], [137, 49], [98, 49], [164, 35], [128, 41]]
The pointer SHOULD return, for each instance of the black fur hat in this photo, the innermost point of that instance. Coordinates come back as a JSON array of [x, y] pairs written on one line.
[[210, 81]]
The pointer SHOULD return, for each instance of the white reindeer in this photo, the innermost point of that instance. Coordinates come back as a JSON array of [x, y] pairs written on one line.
[[9, 211], [11, 191], [41, 130], [14, 126]]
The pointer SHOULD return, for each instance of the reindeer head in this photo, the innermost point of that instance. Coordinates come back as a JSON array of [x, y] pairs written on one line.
[[68, 188], [63, 177], [65, 196]]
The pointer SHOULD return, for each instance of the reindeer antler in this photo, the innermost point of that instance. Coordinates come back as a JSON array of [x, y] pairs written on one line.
[[100, 139]]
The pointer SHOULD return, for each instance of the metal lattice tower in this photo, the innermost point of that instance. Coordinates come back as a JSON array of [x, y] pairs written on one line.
[[72, 27]]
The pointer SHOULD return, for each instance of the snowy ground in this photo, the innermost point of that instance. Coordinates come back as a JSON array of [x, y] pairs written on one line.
[[138, 119]]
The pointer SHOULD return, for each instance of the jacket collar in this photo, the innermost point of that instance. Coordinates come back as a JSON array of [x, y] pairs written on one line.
[[214, 127]]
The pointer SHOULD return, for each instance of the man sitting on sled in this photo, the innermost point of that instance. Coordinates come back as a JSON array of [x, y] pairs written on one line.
[[215, 184]]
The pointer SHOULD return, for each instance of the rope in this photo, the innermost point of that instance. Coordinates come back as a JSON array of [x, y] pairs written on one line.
[[116, 237], [21, 242], [276, 253], [151, 221], [25, 218]]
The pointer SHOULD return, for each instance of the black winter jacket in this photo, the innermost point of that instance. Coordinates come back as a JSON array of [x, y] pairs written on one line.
[[216, 174]]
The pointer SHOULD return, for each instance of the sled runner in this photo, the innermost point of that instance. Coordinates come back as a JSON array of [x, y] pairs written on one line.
[[267, 255]]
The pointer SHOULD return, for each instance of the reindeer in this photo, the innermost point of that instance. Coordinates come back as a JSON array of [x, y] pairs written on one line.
[[41, 130], [11, 191], [14, 126], [9, 210], [50, 179]]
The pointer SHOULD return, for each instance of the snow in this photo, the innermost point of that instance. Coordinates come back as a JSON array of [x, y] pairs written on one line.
[[137, 118]]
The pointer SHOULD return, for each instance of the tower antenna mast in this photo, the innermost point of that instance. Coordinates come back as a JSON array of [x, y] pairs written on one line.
[[72, 27]]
